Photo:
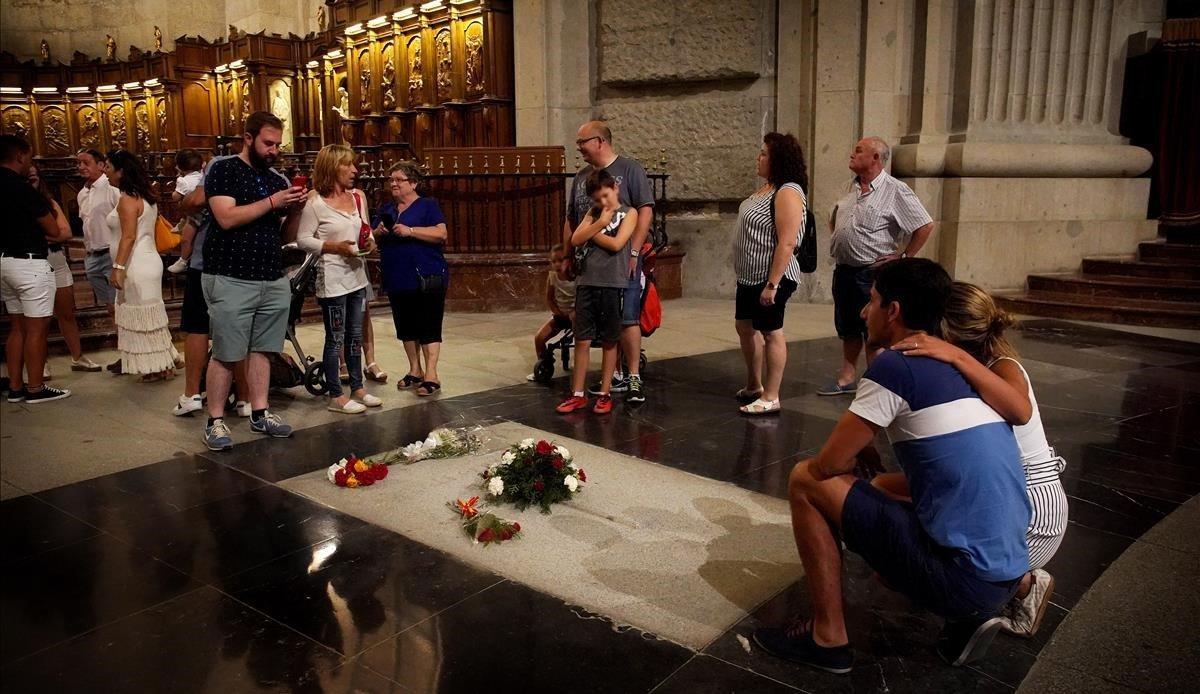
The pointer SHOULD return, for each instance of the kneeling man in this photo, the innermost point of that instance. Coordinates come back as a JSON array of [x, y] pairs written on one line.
[[959, 548]]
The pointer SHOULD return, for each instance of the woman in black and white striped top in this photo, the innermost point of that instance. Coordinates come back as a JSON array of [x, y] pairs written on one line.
[[766, 268]]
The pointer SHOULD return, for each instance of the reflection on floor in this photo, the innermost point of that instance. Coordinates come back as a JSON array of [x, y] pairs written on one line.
[[199, 573]]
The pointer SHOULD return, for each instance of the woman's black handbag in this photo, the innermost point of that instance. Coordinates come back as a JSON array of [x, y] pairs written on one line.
[[430, 284], [806, 247]]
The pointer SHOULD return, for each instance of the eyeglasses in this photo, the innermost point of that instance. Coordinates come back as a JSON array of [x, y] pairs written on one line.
[[400, 180], [584, 141]]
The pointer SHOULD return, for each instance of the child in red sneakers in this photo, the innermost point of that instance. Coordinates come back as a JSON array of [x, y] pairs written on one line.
[[602, 262]]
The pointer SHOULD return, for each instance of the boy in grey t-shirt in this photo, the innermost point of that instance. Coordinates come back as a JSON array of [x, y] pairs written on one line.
[[601, 241]]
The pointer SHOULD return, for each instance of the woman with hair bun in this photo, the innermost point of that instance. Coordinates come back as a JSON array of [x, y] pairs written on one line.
[[975, 344]]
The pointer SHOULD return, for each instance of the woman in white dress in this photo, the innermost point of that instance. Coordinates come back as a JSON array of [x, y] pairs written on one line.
[[142, 333]]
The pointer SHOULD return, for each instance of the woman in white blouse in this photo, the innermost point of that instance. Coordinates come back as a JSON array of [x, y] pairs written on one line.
[[330, 226]]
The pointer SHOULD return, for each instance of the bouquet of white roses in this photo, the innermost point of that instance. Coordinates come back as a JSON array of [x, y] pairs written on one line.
[[443, 443]]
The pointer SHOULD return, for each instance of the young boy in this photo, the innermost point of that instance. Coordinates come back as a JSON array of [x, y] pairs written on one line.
[[560, 299], [190, 165], [601, 244]]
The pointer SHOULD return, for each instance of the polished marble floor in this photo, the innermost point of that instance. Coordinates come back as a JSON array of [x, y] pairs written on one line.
[[198, 573]]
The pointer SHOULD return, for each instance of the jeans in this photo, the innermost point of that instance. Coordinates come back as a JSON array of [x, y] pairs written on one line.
[[343, 317], [98, 269]]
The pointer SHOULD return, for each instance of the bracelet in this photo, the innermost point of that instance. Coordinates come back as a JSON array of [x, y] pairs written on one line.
[[634, 253], [118, 266], [272, 203]]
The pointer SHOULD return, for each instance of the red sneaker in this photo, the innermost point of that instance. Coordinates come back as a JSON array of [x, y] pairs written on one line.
[[572, 404], [603, 404]]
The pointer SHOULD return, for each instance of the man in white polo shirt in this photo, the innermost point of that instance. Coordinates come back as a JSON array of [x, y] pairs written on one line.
[[96, 199], [870, 224]]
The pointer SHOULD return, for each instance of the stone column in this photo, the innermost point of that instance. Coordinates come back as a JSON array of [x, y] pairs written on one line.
[[554, 59]]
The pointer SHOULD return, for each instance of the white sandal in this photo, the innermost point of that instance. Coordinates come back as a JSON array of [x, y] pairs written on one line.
[[761, 407]]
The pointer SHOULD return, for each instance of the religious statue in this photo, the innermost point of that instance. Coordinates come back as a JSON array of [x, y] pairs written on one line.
[[475, 59], [321, 17], [54, 132], [233, 32], [282, 110], [443, 66], [157, 39], [416, 80], [143, 128], [110, 48], [45, 51], [389, 80], [89, 131], [364, 76], [343, 107]]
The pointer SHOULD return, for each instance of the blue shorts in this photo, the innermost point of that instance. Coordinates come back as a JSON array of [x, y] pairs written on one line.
[[888, 535], [631, 307]]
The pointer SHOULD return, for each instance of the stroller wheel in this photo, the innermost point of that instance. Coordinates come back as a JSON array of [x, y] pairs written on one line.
[[314, 378], [543, 371]]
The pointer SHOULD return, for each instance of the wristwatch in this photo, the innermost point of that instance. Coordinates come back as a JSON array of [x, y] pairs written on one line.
[[634, 253], [772, 285], [118, 266]]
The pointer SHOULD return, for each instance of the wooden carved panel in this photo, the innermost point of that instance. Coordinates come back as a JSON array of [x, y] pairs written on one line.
[[117, 127], [474, 67], [387, 83], [198, 117], [445, 66], [416, 76], [55, 139], [231, 108], [164, 140], [87, 121], [141, 122], [16, 121], [364, 81]]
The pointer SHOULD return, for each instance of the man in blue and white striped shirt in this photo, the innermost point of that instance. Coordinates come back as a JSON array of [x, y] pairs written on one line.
[[877, 213]]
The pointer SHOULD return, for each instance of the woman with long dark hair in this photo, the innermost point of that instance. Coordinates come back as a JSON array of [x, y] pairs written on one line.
[[64, 284], [769, 225], [142, 334]]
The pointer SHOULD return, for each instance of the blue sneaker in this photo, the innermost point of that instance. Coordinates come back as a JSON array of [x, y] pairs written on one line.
[[216, 436], [797, 645], [835, 388], [271, 425]]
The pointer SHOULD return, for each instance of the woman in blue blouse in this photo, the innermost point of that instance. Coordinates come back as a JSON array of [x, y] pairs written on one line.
[[410, 232]]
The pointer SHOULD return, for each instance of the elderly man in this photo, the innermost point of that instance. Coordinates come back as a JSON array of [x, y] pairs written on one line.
[[594, 141], [869, 223]]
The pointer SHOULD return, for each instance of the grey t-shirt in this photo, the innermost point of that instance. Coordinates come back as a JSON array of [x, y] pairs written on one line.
[[633, 188], [600, 268]]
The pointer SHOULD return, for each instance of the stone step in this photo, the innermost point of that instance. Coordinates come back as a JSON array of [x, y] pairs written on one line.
[[1116, 287], [1125, 266], [1165, 314], [1161, 251]]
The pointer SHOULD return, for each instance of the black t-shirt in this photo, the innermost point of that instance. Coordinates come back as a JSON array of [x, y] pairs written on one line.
[[22, 206], [251, 251]]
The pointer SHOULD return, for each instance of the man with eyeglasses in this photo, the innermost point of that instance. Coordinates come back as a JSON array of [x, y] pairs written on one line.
[[594, 142]]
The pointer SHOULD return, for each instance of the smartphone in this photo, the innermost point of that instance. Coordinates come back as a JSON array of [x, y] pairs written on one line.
[[387, 220], [300, 181]]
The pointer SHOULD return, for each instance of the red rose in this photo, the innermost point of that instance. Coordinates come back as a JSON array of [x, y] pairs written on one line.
[[516, 527], [339, 477], [506, 534], [544, 448], [486, 535], [366, 480], [557, 463], [379, 471], [538, 485], [582, 475]]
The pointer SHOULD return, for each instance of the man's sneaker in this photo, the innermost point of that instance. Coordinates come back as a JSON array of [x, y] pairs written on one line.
[[243, 408], [572, 404], [17, 395], [835, 388], [188, 404], [963, 642], [1022, 617], [179, 266], [217, 437], [271, 425], [85, 364], [46, 394], [796, 644], [603, 404], [636, 392], [115, 367], [619, 385]]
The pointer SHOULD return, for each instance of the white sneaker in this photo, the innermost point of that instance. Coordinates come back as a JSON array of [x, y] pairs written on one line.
[[188, 404], [243, 408], [1023, 617], [531, 378], [179, 266], [351, 407], [85, 364], [370, 400]]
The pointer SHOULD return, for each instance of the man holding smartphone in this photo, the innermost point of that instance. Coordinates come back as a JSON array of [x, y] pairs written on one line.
[[255, 212]]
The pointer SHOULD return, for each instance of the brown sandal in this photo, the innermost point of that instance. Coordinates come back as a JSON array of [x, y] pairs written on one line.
[[374, 373]]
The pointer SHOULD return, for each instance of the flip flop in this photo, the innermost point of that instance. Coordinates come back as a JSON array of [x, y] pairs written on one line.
[[746, 397], [761, 407], [408, 381], [428, 388]]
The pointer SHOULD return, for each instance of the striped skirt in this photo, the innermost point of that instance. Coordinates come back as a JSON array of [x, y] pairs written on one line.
[[1049, 520]]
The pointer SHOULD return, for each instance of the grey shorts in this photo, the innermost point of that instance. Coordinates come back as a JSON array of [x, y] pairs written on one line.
[[98, 269], [246, 316]]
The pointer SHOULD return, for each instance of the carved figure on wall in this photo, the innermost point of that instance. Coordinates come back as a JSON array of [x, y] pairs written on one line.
[[232, 110], [233, 32], [444, 65], [157, 39], [416, 78], [45, 51], [162, 124], [142, 120], [54, 132], [389, 81], [474, 58], [89, 129], [245, 103], [16, 122], [116, 125], [343, 107], [321, 17], [364, 78], [281, 106], [110, 48]]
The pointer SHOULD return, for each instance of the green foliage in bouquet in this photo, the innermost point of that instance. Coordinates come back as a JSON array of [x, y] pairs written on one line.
[[534, 474]]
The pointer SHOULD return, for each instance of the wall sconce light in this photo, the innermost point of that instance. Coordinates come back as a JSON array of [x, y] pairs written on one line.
[[404, 14], [354, 29], [152, 82], [312, 64], [333, 54], [378, 22], [131, 85], [236, 64], [107, 88], [45, 90], [431, 6], [221, 68], [78, 90], [11, 90]]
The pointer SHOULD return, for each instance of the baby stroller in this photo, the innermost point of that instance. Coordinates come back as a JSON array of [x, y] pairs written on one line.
[[543, 371]]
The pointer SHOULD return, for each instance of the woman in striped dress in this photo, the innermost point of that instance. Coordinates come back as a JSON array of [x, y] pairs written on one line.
[[975, 326], [769, 225]]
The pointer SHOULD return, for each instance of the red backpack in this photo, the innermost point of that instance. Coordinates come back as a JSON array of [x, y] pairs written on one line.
[[651, 308]]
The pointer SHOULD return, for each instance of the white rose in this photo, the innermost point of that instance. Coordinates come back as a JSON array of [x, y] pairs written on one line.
[[527, 443], [430, 443], [507, 458], [413, 450], [562, 450], [496, 486], [332, 470], [571, 482]]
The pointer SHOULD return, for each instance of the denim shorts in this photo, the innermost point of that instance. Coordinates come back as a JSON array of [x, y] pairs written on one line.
[[851, 293], [631, 306], [888, 535]]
